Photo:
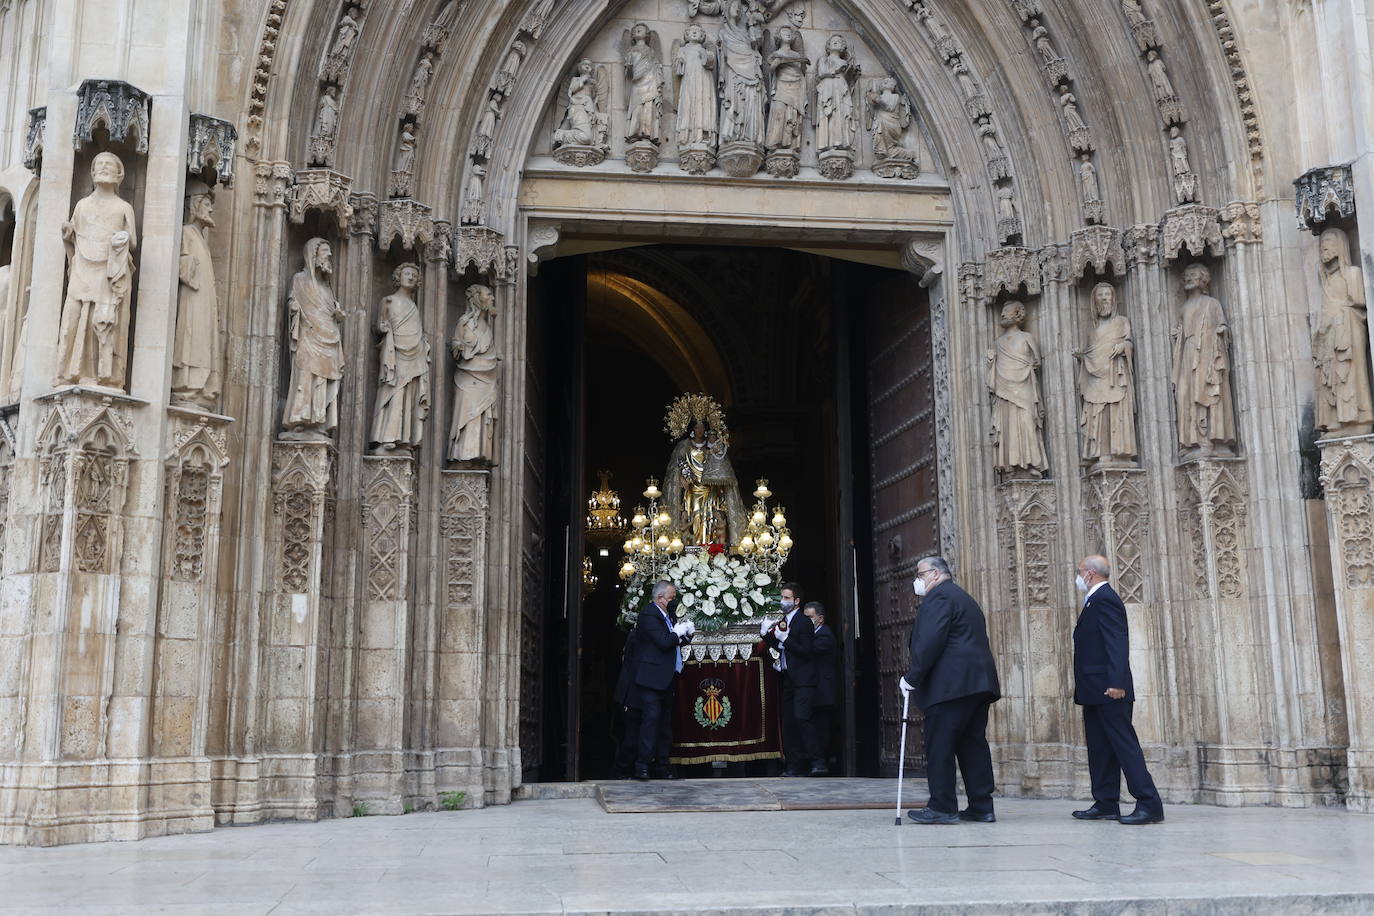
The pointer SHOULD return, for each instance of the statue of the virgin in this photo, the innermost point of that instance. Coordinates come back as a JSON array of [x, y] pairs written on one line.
[[699, 486]]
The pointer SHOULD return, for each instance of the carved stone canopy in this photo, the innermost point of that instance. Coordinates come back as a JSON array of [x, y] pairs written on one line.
[[210, 145], [482, 248], [1006, 270], [33, 139], [1098, 246], [116, 105], [1194, 227], [406, 219], [321, 189], [1321, 190]]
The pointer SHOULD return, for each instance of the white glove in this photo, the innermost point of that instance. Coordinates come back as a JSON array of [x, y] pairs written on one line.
[[691, 628], [764, 625], [680, 628], [904, 686], [782, 634]]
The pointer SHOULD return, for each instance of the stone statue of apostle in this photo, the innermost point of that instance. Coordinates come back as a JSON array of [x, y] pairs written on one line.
[[398, 422], [1018, 415], [317, 361], [473, 435], [1107, 382], [195, 352], [1202, 370]]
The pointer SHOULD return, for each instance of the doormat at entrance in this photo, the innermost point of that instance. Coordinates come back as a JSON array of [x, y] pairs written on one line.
[[800, 794]]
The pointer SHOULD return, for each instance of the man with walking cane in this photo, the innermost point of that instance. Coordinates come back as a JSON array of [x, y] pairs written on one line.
[[954, 680]]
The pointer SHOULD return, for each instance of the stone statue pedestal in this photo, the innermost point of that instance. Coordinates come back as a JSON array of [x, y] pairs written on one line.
[[836, 164], [740, 159], [1347, 475], [697, 159], [641, 155], [579, 155], [782, 164], [896, 167]]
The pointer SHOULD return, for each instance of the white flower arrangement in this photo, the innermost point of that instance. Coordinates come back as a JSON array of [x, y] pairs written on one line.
[[715, 590]]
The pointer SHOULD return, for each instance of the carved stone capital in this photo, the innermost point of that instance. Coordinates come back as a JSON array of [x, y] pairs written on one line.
[[33, 139], [1054, 264], [1098, 247], [210, 145], [406, 219], [272, 183], [321, 189], [1007, 270], [1141, 245], [971, 286], [1321, 190], [481, 248], [364, 218], [1192, 227], [541, 239], [1240, 223], [117, 106]]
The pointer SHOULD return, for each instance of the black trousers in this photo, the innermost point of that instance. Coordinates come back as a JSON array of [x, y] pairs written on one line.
[[627, 749], [655, 725], [794, 699], [817, 730], [956, 732], [1113, 750]]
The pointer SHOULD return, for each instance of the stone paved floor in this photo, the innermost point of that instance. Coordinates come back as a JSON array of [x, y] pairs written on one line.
[[569, 856]]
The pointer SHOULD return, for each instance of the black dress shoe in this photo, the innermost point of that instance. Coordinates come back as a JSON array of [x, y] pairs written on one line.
[[931, 816], [983, 818], [642, 774], [662, 774], [1096, 814], [1141, 816], [819, 771]]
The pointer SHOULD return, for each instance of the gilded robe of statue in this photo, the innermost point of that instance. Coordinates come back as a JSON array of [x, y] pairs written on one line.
[[473, 435], [100, 239], [1017, 412], [1202, 368], [195, 352], [1107, 382], [1340, 345], [398, 421], [701, 490], [317, 360]]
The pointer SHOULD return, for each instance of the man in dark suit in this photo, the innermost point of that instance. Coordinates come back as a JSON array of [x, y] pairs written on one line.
[[817, 725], [793, 637], [657, 665], [626, 700], [1103, 687], [954, 679]]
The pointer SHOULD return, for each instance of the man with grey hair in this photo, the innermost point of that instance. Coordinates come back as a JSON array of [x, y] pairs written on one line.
[[1103, 686], [657, 664], [954, 678]]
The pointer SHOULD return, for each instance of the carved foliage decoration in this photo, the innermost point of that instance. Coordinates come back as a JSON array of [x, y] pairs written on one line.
[[1141, 244], [262, 74], [211, 145], [1240, 81], [1347, 476], [1240, 223], [195, 484], [1192, 227], [388, 516], [272, 183], [463, 527], [324, 190], [1214, 517], [33, 139], [117, 106], [302, 477], [1320, 191], [1027, 526]]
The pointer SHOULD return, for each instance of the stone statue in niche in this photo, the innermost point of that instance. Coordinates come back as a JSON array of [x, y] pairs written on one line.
[[196, 350], [1202, 370], [472, 200], [473, 435], [836, 120], [326, 127], [787, 66], [999, 166], [1018, 414], [486, 128], [1185, 182], [742, 89], [1055, 67], [100, 239], [1340, 345], [1106, 379], [398, 421], [315, 338], [642, 59], [581, 138], [1165, 97], [419, 84], [1080, 139], [1092, 191], [889, 120], [336, 62], [694, 62], [1008, 222], [510, 69], [403, 166]]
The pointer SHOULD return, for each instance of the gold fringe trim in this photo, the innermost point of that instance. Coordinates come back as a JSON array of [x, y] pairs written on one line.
[[728, 758]]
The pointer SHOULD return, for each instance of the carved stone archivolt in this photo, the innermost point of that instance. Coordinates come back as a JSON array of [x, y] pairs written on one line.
[[210, 149], [118, 107], [262, 75], [1213, 505], [1324, 193]]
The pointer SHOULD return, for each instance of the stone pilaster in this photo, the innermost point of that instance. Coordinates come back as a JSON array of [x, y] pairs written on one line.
[[1347, 473], [291, 636], [464, 677], [384, 634]]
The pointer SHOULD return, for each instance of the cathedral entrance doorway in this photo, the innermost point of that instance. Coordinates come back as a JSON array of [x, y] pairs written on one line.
[[822, 367]]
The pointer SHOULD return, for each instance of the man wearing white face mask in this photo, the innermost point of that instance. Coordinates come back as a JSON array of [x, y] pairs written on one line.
[[794, 638], [954, 679]]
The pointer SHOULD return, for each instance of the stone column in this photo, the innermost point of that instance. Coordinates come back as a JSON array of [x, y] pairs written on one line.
[[1347, 474], [384, 634], [291, 685]]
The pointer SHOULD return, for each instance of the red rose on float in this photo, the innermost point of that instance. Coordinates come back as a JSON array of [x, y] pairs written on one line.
[[714, 549]]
